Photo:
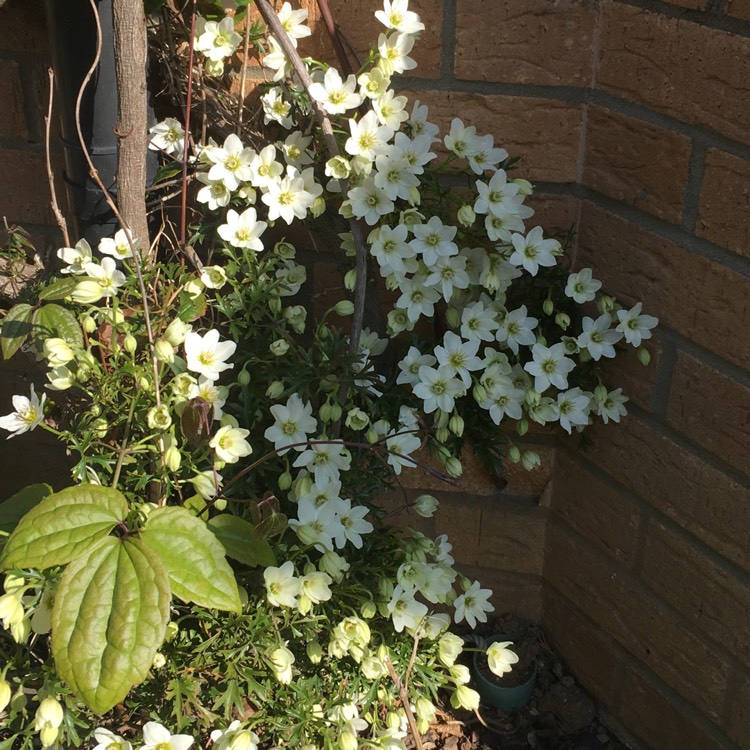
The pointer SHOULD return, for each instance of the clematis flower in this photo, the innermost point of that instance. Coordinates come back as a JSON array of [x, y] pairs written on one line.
[[158, 737], [104, 281], [293, 423], [110, 741], [634, 326], [500, 658], [282, 586], [206, 355], [29, 412], [396, 15], [118, 246], [230, 444], [335, 95], [234, 737], [243, 230], [76, 257], [167, 136], [473, 605]]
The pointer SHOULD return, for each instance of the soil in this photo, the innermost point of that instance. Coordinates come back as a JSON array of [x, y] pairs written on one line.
[[559, 715]]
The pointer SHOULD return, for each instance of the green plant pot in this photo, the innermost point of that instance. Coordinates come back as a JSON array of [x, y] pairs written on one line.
[[506, 698]]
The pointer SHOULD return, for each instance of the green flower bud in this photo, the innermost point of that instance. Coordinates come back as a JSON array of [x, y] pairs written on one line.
[[275, 389], [466, 215], [425, 506], [600, 392], [220, 503], [456, 425], [480, 393], [644, 356], [562, 320], [606, 304], [392, 720], [243, 377], [350, 279], [318, 207], [345, 210], [372, 436], [357, 419], [514, 454], [274, 304], [159, 418], [285, 481], [348, 741], [530, 460], [100, 427], [176, 332], [213, 68], [442, 418], [130, 344], [88, 324], [344, 307], [453, 467], [285, 250], [50, 712], [172, 455], [453, 317], [164, 351], [314, 652], [548, 306], [523, 427], [442, 434], [368, 610], [415, 198], [48, 735], [279, 347]]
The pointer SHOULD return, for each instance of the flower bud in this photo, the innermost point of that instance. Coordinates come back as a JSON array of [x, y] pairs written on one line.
[[58, 352], [275, 389], [456, 425], [372, 436], [5, 694], [453, 467], [466, 215], [514, 454], [357, 419], [345, 210], [318, 207], [274, 305], [423, 726], [348, 741], [333, 564], [50, 712], [450, 647], [350, 279], [392, 720], [100, 427], [480, 393], [220, 503], [304, 604], [88, 324], [176, 332], [368, 609], [248, 194], [285, 250], [372, 668], [562, 320], [171, 632], [606, 304], [60, 378], [644, 356], [87, 292], [452, 317], [530, 460], [442, 434], [548, 306], [279, 347], [159, 660], [285, 481], [314, 652], [48, 735], [466, 698], [130, 345], [425, 506], [524, 186], [213, 68], [338, 167], [415, 198], [164, 351], [522, 427], [344, 307], [172, 455]]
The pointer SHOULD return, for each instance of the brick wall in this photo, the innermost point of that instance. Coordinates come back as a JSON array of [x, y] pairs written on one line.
[[633, 119]]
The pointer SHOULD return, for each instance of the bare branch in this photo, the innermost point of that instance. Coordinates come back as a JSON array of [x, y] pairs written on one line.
[[50, 176]]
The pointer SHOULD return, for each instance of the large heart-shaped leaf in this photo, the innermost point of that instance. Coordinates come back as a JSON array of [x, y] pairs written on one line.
[[63, 526], [59, 289], [55, 321], [16, 506], [237, 536], [110, 616], [16, 327], [194, 558]]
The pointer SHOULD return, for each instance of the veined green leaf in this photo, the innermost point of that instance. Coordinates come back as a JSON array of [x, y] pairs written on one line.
[[64, 526], [16, 506], [54, 321], [194, 558], [16, 328], [237, 536], [110, 616], [59, 289]]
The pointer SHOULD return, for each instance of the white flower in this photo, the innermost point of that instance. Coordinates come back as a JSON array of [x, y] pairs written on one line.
[[281, 662], [287, 198], [206, 484], [243, 230], [370, 202], [109, 741], [532, 251], [411, 364], [325, 460], [598, 338], [230, 444], [234, 737], [213, 277], [118, 247], [612, 406], [405, 610], [158, 737], [373, 83], [448, 274], [264, 168], [29, 412], [517, 328], [316, 586], [76, 257], [550, 367], [438, 388], [434, 240], [498, 197], [168, 136], [394, 53], [396, 15], [581, 287], [276, 108], [368, 137], [214, 194], [104, 281], [400, 446], [276, 59], [473, 605], [500, 658], [219, 39], [419, 124], [231, 162], [395, 175], [572, 408], [391, 109], [57, 352], [425, 506], [282, 586], [295, 148], [478, 322], [335, 95], [461, 140], [292, 21], [486, 155], [634, 326], [293, 423], [458, 357], [206, 355], [352, 524], [208, 391]]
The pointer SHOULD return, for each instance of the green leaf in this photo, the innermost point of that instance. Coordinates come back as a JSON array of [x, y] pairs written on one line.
[[110, 616], [194, 558], [59, 289], [16, 328], [63, 527], [16, 506], [54, 321], [238, 538], [166, 172]]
